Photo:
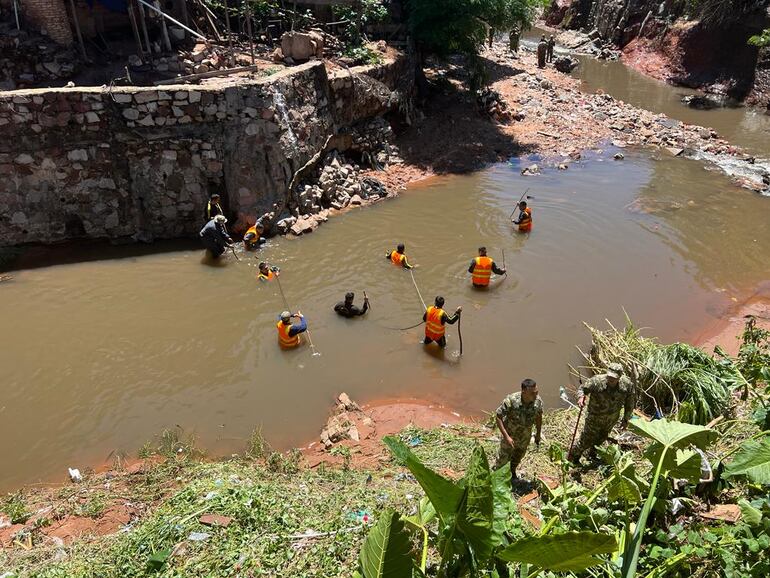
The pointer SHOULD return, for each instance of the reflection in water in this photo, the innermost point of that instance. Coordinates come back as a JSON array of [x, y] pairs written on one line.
[[100, 355]]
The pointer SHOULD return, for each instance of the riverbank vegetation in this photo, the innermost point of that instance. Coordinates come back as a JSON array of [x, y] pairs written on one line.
[[667, 498]]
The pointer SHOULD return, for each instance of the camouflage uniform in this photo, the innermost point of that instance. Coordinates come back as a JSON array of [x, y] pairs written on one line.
[[518, 418], [603, 407]]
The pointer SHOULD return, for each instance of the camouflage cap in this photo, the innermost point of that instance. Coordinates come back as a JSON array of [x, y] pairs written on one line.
[[615, 370]]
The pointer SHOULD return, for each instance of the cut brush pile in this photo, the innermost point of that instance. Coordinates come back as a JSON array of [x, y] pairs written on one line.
[[678, 380]]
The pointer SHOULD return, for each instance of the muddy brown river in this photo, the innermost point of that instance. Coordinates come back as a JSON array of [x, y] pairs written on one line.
[[98, 356]]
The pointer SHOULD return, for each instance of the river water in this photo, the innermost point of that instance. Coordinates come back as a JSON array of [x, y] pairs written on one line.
[[98, 356]]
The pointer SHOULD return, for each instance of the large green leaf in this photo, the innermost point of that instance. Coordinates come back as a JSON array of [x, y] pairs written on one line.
[[387, 550], [752, 461], [503, 502], [685, 464], [444, 494], [673, 433], [749, 514], [476, 519], [622, 489], [570, 552]]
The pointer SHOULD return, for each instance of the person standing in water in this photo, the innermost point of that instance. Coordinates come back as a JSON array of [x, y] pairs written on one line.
[[524, 220]]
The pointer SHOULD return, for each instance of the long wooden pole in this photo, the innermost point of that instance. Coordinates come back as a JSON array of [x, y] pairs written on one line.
[[143, 20], [135, 27], [251, 35], [163, 28], [77, 29], [229, 30]]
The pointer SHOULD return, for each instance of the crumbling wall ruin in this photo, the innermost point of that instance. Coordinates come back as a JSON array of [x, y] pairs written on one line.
[[137, 162]]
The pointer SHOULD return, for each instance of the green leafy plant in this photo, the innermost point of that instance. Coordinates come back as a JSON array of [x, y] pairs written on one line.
[[669, 457], [472, 514], [387, 550], [364, 55], [15, 507], [761, 40], [751, 461]]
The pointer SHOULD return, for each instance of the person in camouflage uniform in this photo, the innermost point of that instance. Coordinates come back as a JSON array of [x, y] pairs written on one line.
[[609, 393], [515, 418]]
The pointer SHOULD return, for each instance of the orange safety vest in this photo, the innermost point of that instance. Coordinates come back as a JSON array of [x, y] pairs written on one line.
[[434, 329], [397, 258], [525, 223], [284, 339], [269, 277], [482, 271]]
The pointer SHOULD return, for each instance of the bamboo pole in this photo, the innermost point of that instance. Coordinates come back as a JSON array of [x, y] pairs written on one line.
[[229, 30], [143, 20], [163, 28], [251, 35], [135, 28], [77, 30], [174, 20]]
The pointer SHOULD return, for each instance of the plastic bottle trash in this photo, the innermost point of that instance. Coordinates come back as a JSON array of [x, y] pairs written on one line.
[[360, 516], [75, 475], [198, 536], [414, 441]]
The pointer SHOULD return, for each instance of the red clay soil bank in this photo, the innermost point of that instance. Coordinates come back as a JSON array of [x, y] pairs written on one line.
[[369, 424], [726, 332]]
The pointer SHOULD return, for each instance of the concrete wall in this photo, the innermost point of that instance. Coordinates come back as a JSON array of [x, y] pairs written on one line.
[[140, 162]]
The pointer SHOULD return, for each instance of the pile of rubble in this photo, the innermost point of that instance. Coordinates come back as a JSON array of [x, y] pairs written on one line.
[[339, 185], [346, 423], [28, 59], [491, 103], [565, 64], [372, 140]]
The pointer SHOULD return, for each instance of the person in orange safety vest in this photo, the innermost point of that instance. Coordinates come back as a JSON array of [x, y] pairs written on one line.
[[288, 334], [524, 221], [482, 268], [397, 257], [435, 321], [267, 273]]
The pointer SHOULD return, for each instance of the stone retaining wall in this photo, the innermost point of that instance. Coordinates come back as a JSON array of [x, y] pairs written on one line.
[[141, 162]]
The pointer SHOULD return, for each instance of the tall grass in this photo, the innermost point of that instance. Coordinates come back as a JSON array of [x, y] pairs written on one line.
[[677, 380]]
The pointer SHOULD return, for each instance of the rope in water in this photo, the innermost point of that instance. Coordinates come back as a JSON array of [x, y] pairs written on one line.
[[425, 307]]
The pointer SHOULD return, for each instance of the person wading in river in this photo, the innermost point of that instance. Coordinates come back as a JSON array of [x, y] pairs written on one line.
[[288, 334], [542, 49], [213, 208], [515, 418], [253, 237], [482, 268], [398, 257], [267, 273], [610, 392], [435, 322], [214, 236], [550, 47], [347, 309], [524, 220]]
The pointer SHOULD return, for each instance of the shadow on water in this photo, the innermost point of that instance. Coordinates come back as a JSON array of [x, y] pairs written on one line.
[[36, 256]]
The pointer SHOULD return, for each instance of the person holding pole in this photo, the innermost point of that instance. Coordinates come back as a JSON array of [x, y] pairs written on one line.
[[288, 333], [482, 268], [609, 392], [524, 220], [348, 310], [435, 319]]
